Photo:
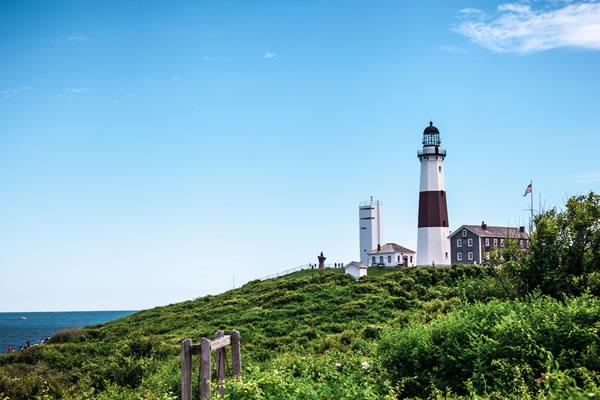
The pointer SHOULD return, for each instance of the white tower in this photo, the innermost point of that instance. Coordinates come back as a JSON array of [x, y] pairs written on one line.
[[371, 229], [433, 245]]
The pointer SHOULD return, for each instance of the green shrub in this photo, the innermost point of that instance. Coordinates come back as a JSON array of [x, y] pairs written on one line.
[[490, 346]]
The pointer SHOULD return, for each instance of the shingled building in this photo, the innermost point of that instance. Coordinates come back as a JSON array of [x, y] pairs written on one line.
[[472, 244]]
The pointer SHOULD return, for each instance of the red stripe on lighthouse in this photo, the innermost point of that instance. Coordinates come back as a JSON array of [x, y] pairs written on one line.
[[432, 209]]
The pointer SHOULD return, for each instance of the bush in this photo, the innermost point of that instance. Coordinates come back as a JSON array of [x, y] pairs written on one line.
[[491, 346]]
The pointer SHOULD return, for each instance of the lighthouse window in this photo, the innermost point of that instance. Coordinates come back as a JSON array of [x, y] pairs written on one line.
[[470, 242], [444, 223], [459, 256], [458, 242], [440, 169]]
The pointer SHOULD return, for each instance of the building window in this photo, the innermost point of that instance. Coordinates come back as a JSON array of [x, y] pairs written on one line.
[[381, 259], [464, 233], [496, 242], [458, 242], [444, 223], [459, 256], [470, 242], [373, 263], [389, 259], [521, 243], [398, 258], [440, 168], [411, 259], [446, 254], [470, 256], [501, 242], [487, 241]]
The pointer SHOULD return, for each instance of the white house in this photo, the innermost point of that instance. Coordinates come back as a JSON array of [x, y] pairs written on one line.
[[392, 255], [356, 269]]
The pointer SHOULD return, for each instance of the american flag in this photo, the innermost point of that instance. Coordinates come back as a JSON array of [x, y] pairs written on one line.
[[528, 190]]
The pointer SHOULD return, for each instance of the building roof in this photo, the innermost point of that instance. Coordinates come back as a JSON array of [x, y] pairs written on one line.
[[390, 248], [355, 263], [431, 129], [493, 231]]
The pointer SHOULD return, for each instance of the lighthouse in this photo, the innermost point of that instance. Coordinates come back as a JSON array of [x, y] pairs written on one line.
[[433, 245]]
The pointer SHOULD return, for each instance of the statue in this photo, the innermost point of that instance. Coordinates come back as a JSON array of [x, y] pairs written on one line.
[[321, 261]]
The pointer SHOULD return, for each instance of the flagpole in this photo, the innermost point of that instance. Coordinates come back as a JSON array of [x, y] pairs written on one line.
[[531, 224]]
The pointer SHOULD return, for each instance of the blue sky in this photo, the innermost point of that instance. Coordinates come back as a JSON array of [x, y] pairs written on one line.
[[150, 152]]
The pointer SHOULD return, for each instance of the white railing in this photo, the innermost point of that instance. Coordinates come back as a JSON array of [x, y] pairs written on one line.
[[296, 269]]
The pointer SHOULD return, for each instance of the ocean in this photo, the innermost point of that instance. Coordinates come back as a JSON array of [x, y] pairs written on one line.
[[17, 328]]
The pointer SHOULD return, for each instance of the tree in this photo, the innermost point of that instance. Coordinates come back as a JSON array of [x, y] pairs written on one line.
[[564, 252]]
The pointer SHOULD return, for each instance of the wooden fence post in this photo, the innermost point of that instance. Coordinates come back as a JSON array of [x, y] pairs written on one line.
[[236, 355], [220, 363], [204, 368], [186, 369]]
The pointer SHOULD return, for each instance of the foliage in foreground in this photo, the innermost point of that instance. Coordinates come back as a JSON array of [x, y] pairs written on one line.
[[495, 347]]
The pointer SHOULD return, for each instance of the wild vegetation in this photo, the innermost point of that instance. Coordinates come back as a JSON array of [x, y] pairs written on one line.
[[526, 327]]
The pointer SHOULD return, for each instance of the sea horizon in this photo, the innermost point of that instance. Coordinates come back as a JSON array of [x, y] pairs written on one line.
[[19, 327]]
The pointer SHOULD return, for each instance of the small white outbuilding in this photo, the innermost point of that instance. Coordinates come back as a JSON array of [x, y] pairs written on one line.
[[356, 269]]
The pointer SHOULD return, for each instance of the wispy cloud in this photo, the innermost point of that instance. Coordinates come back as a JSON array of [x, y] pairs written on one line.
[[9, 93], [270, 54], [207, 58], [518, 28], [75, 90], [587, 177], [77, 37], [453, 49]]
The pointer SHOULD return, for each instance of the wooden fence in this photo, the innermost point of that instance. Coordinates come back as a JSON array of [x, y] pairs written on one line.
[[204, 349]]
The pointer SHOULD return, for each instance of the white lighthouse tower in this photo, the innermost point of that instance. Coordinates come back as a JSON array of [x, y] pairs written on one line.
[[433, 245], [371, 229]]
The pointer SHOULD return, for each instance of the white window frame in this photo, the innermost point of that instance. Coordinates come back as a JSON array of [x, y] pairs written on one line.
[[470, 242], [470, 256], [458, 256], [464, 233], [487, 241], [501, 242], [521, 243], [495, 242], [458, 242], [389, 259]]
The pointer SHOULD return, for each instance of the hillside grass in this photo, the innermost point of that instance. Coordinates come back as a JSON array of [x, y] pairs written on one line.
[[320, 334]]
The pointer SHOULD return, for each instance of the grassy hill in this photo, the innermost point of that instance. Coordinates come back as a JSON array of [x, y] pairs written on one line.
[[320, 334]]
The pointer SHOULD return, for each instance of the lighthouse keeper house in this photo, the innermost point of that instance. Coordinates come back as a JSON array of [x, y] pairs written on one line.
[[392, 255]]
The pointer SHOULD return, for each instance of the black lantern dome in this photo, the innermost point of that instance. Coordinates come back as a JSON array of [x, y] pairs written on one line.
[[431, 136]]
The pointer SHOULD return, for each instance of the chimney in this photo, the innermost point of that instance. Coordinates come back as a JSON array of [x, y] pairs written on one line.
[[483, 225], [378, 247], [522, 229]]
